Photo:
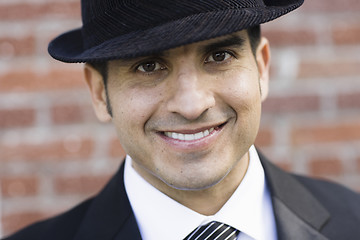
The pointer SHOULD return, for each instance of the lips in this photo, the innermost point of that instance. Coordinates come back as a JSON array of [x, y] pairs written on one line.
[[187, 135]]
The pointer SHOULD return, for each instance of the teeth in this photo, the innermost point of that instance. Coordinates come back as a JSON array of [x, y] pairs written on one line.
[[189, 137], [206, 132], [199, 135], [181, 136]]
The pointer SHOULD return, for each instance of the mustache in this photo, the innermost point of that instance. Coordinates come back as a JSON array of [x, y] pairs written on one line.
[[175, 120]]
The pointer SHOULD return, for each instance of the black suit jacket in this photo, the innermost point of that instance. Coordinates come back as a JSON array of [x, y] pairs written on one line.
[[304, 209]]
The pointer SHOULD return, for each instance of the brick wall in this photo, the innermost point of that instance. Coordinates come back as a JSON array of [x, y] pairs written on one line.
[[54, 153]]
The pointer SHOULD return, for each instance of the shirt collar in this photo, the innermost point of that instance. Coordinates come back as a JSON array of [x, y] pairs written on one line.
[[159, 216]]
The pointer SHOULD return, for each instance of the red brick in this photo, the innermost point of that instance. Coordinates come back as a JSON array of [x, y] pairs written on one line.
[[19, 186], [12, 223], [10, 47], [67, 149], [328, 68], [29, 80], [325, 134], [287, 104], [346, 34], [67, 114], [325, 167], [350, 100], [290, 37], [116, 150], [17, 117], [331, 6], [264, 138], [73, 113], [27, 11], [80, 184]]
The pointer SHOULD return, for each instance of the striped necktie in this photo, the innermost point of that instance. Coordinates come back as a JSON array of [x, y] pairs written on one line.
[[213, 231]]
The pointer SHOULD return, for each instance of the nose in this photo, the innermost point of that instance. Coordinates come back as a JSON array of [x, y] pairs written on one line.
[[191, 96]]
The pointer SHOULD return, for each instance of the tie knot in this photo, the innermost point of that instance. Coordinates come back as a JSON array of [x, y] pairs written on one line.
[[213, 231]]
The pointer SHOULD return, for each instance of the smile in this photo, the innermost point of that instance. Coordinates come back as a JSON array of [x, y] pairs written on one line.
[[189, 137]]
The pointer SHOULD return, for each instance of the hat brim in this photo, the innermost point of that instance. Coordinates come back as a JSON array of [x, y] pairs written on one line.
[[68, 47]]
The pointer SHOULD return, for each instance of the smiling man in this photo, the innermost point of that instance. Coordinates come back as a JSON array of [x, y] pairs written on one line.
[[183, 82]]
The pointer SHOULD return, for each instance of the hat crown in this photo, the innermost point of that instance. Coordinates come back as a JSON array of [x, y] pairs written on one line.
[[114, 29], [104, 19], [95, 8]]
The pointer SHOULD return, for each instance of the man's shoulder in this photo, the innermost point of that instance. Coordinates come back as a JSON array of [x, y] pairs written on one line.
[[332, 195], [328, 207], [342, 204], [63, 226]]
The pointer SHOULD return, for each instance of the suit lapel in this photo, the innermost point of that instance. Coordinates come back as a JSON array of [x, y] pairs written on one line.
[[298, 214], [291, 226], [110, 215]]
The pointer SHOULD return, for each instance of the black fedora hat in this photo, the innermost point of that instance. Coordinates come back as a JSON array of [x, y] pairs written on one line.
[[115, 29]]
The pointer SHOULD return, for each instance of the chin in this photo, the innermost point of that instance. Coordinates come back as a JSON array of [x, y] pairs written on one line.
[[195, 184]]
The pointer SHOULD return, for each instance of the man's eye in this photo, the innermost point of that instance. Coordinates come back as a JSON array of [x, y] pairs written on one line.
[[218, 56], [148, 67]]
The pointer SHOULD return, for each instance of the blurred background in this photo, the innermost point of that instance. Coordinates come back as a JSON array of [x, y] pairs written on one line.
[[54, 153]]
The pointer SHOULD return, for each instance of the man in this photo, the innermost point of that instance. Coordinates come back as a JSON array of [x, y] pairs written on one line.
[[183, 82]]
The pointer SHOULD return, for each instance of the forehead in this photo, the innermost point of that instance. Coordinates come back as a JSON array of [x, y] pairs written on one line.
[[238, 39]]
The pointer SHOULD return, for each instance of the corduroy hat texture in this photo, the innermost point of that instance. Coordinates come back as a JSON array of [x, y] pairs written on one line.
[[118, 29]]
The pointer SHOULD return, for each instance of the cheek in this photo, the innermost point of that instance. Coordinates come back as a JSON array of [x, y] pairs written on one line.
[[242, 94], [131, 111], [241, 89], [132, 108]]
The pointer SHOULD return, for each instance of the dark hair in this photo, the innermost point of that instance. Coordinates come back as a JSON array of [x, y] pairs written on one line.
[[101, 67], [254, 34]]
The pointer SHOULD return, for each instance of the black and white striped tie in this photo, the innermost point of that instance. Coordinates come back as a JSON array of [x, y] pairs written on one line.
[[213, 231]]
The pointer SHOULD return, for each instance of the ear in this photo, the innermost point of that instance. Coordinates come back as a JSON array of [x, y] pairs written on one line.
[[263, 57], [94, 81]]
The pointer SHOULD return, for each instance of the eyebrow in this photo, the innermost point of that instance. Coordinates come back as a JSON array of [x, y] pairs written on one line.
[[231, 41]]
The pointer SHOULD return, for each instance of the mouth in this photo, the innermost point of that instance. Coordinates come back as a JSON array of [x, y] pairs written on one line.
[[192, 136]]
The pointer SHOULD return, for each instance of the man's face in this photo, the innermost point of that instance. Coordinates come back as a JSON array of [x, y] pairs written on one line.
[[187, 116]]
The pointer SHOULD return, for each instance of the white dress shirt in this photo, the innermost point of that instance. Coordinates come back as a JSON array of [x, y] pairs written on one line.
[[160, 217]]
